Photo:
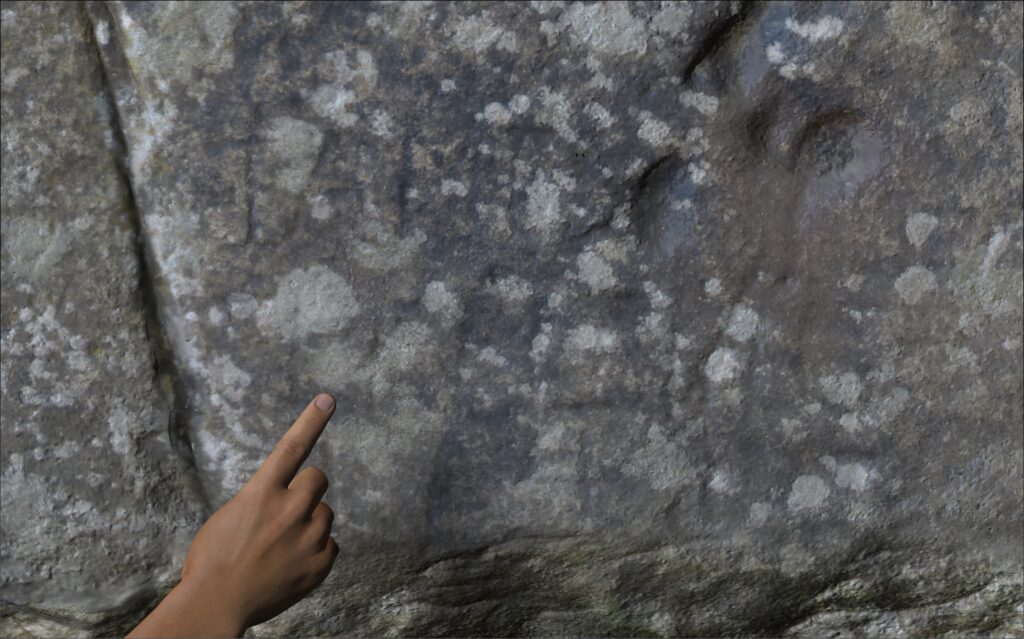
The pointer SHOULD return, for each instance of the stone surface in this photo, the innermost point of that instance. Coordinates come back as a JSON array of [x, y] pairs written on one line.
[[97, 508], [644, 319]]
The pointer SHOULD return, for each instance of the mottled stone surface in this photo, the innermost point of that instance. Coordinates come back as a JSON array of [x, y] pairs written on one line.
[[97, 508], [644, 319]]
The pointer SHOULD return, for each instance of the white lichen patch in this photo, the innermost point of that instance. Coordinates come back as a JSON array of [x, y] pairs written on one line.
[[541, 343], [408, 345], [102, 32], [883, 409], [149, 132], [439, 300], [919, 227], [856, 477], [828, 461], [543, 202], [309, 301], [453, 187], [661, 462], [997, 244], [61, 366], [653, 329], [595, 272], [672, 18], [742, 323], [602, 118], [227, 379], [713, 287], [807, 492], [347, 80], [914, 283], [177, 242], [556, 112], [759, 512], [607, 27], [242, 305], [723, 481], [842, 389], [496, 218], [703, 103], [519, 104], [382, 124], [694, 142], [722, 365], [10, 77], [220, 458], [491, 357], [338, 363], [698, 170], [120, 426], [376, 244], [657, 298], [792, 70], [653, 131], [826, 28], [793, 429], [854, 282], [36, 245], [512, 289], [190, 45], [586, 339], [496, 113], [478, 33], [663, 623], [320, 207], [850, 422], [296, 145], [774, 53], [791, 67], [332, 101], [962, 358]]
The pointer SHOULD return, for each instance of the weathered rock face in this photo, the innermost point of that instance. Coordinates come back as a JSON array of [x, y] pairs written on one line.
[[97, 508], [644, 319]]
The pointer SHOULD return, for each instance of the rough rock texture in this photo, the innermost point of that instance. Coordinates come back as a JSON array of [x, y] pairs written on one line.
[[644, 319], [97, 509]]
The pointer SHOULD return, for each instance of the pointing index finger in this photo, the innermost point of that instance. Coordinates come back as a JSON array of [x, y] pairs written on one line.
[[295, 445]]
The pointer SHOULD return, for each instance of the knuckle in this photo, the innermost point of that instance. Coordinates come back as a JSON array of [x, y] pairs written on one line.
[[319, 475], [325, 558], [323, 510], [295, 507], [291, 447], [254, 492]]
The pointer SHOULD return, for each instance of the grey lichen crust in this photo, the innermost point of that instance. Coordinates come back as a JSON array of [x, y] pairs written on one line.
[[646, 319], [97, 507]]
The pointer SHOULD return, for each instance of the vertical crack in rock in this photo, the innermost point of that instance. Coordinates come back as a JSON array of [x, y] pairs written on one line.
[[250, 197], [169, 382], [717, 36]]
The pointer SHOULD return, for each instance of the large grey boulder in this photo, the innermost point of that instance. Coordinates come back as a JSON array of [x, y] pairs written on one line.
[[97, 508], [644, 319]]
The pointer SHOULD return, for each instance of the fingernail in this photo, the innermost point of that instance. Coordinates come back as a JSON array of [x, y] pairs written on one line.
[[324, 402]]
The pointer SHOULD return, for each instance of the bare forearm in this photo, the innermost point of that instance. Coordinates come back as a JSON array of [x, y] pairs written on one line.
[[188, 611]]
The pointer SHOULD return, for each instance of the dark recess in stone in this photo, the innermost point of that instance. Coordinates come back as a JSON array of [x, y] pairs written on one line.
[[165, 369]]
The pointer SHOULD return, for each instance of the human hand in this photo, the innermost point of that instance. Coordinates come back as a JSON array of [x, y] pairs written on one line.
[[271, 544], [263, 550]]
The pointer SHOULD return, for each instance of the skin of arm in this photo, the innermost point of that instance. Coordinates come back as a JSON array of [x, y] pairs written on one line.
[[262, 551]]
